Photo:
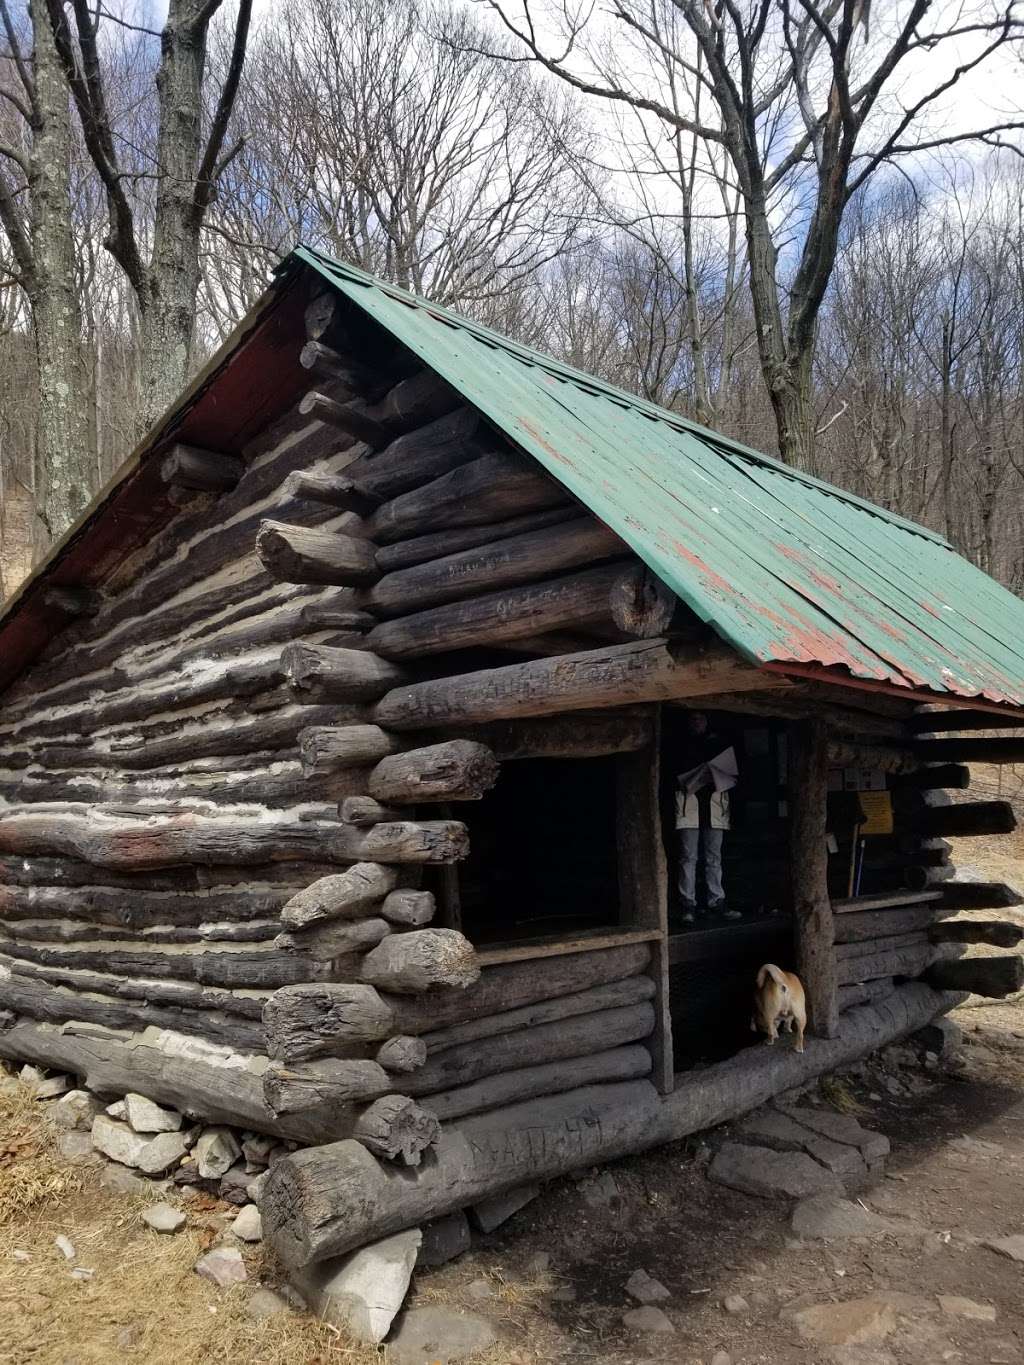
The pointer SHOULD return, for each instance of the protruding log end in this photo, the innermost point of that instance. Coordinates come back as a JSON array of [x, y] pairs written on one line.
[[993, 977], [363, 811], [332, 490], [324, 1020], [456, 770], [339, 674], [641, 604], [1001, 933], [422, 960], [395, 1128], [351, 418], [302, 554], [411, 909], [73, 602], [342, 895], [207, 471], [402, 1054]]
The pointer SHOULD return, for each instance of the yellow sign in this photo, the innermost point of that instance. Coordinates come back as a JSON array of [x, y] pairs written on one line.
[[877, 806]]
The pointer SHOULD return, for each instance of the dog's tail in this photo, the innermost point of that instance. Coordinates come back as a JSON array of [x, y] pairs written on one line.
[[777, 975]]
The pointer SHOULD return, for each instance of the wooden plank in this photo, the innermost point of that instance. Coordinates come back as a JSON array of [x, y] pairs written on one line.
[[812, 910], [886, 901], [643, 883], [555, 946]]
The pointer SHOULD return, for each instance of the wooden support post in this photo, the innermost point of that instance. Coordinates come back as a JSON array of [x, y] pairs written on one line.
[[812, 909], [643, 883]]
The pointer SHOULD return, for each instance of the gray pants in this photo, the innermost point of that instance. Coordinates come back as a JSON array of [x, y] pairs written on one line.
[[690, 841]]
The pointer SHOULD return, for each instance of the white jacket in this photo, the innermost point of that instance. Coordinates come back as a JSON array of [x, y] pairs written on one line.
[[688, 810]]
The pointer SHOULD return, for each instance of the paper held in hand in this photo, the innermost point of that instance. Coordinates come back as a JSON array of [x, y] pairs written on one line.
[[719, 772]]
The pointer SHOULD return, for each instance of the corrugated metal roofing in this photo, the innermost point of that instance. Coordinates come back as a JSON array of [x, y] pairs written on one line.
[[787, 569]]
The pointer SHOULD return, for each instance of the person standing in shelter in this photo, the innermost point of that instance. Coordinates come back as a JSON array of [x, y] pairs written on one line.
[[703, 815]]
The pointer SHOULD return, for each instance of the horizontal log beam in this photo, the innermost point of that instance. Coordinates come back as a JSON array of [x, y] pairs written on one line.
[[999, 932], [456, 770], [209, 471], [871, 925], [909, 961], [331, 940], [347, 377], [353, 418], [139, 845], [991, 977], [492, 486], [971, 749], [512, 614], [324, 1201], [364, 810], [865, 992], [956, 718], [403, 554], [649, 670], [332, 490], [574, 1036], [546, 1078], [980, 896], [342, 674], [952, 776], [303, 554], [848, 754], [421, 456], [422, 397], [968, 817], [506, 563], [912, 938], [327, 1083], [622, 731]]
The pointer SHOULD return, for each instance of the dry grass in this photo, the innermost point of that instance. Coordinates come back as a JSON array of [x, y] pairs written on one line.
[[144, 1300]]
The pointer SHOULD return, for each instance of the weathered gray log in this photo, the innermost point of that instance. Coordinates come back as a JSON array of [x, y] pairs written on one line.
[[324, 1020], [648, 670], [345, 895], [980, 896], [35, 998], [214, 1082], [141, 844], [186, 994], [308, 1085], [865, 992], [348, 378], [324, 1201], [364, 810], [1000, 932], [866, 925], [142, 906], [246, 966], [642, 605], [512, 614], [548, 1078], [322, 313], [420, 456], [341, 674], [911, 938], [524, 558], [330, 748], [207, 470], [334, 614], [352, 417], [402, 1054], [333, 490], [993, 977], [496, 485], [632, 990], [412, 402], [576, 1035], [456, 770], [850, 754], [409, 908], [909, 962], [952, 776], [622, 731], [808, 854], [396, 1128], [968, 817], [421, 960], [305, 554], [323, 942], [440, 544], [955, 718], [971, 749]]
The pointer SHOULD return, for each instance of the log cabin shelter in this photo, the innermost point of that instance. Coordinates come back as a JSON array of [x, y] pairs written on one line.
[[339, 754]]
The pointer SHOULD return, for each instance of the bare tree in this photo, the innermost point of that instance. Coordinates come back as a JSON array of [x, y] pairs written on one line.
[[804, 101], [36, 214], [160, 259]]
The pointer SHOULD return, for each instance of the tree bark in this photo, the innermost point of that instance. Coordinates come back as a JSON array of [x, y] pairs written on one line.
[[807, 786]]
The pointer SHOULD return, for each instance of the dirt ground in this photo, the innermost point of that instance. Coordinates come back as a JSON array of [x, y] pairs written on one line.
[[955, 1179]]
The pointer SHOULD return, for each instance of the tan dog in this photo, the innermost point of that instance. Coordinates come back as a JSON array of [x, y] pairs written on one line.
[[779, 999]]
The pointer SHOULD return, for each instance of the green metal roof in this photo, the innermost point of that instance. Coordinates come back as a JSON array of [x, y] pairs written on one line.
[[787, 569]]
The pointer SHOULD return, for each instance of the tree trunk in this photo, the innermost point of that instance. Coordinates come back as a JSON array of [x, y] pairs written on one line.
[[65, 474]]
